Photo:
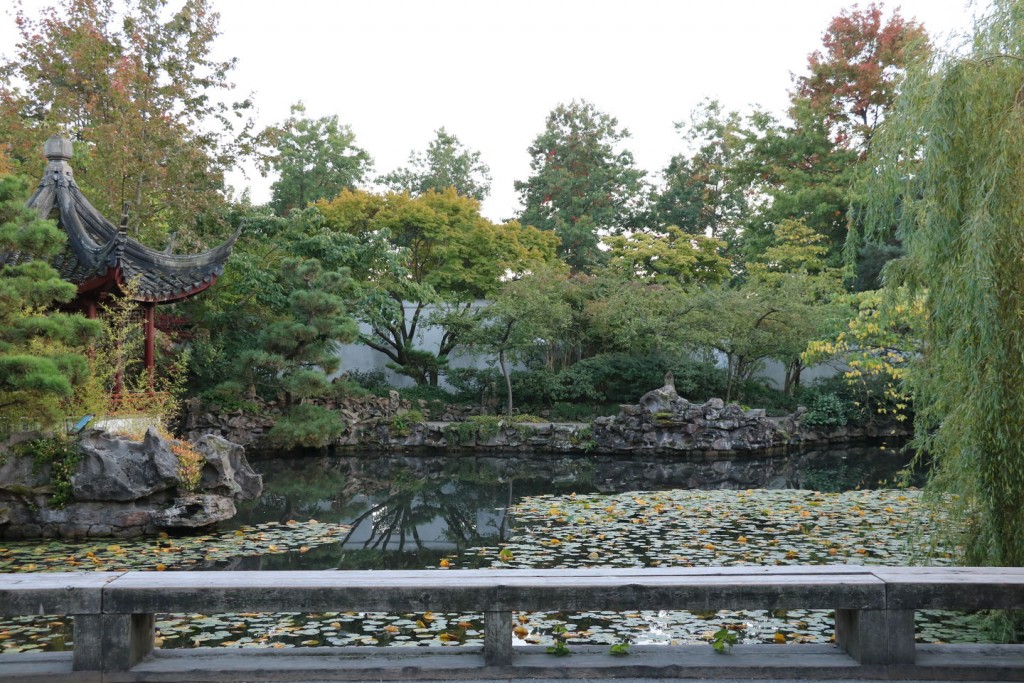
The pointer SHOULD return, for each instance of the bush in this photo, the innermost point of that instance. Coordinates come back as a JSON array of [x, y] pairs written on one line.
[[228, 397], [616, 378], [425, 392], [371, 380], [307, 425], [473, 385], [826, 410]]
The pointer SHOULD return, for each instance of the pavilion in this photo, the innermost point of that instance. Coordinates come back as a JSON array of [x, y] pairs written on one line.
[[100, 258]]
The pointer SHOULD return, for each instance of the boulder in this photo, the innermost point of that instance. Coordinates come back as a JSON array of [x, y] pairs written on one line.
[[661, 400], [195, 511], [113, 468], [226, 471]]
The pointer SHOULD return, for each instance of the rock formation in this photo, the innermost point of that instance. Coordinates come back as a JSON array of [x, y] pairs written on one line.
[[121, 487]]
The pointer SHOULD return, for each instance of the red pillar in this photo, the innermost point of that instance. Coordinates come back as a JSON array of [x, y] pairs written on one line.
[[150, 309]]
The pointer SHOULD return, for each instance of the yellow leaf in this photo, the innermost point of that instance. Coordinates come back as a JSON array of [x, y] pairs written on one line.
[[520, 632], [741, 539], [779, 637], [161, 567], [445, 563], [391, 628], [304, 549], [272, 548]]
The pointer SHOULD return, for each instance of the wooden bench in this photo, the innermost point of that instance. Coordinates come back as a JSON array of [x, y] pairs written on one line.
[[874, 621]]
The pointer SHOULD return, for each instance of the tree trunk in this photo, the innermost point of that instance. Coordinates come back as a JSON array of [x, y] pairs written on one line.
[[508, 381], [793, 371]]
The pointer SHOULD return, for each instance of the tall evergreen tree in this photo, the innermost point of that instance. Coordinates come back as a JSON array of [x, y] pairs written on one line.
[[41, 351], [315, 159], [583, 182], [445, 163]]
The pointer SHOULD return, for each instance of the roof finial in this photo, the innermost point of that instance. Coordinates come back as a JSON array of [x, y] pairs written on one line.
[[57, 148]]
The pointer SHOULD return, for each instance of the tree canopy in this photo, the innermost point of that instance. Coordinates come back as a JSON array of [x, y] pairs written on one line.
[[583, 182], [445, 163], [435, 255], [951, 178], [146, 97], [314, 159]]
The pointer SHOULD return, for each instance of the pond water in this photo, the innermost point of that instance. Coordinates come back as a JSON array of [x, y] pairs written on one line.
[[363, 512]]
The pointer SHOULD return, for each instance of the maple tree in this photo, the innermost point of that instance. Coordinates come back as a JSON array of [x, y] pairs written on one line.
[[426, 258], [855, 80], [142, 94]]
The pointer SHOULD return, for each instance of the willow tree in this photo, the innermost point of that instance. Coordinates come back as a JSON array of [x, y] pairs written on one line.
[[949, 174]]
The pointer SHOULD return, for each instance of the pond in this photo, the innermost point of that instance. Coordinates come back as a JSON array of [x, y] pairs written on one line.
[[373, 512]]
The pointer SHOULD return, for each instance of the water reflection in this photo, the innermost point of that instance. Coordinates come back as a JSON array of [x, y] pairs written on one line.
[[410, 511]]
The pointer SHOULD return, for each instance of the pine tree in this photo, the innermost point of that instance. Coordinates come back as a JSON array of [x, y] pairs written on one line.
[[41, 351]]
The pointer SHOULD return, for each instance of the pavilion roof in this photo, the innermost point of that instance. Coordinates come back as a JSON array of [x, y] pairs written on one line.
[[99, 254]]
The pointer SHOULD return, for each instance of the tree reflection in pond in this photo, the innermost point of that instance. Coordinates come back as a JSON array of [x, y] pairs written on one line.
[[409, 512]]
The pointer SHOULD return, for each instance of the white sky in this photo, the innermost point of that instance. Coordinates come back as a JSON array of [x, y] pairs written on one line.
[[489, 71]]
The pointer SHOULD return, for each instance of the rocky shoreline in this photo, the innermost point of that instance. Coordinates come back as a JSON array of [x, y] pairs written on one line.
[[661, 423], [119, 487]]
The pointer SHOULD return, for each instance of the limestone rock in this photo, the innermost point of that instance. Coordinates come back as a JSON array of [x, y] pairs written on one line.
[[226, 471], [116, 469], [194, 512], [659, 400]]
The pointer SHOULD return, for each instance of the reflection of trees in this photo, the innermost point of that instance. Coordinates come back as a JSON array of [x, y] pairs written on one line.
[[408, 504], [293, 489]]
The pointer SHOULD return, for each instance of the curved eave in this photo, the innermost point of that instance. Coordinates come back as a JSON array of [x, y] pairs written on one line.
[[95, 240], [115, 277]]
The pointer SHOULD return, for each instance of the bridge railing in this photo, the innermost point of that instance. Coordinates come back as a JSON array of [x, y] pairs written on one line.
[[114, 616]]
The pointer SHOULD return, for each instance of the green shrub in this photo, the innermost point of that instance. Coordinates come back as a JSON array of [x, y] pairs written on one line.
[[826, 410], [425, 392], [371, 380], [474, 385], [228, 397], [616, 378], [62, 456], [403, 422], [476, 428], [308, 426]]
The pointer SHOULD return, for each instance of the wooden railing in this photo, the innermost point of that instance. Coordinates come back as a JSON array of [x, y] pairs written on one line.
[[874, 622]]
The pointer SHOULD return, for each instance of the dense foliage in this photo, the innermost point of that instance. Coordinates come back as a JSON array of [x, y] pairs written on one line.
[[952, 182], [141, 92], [42, 352]]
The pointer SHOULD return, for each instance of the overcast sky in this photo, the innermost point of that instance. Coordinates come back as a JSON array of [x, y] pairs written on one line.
[[489, 71]]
